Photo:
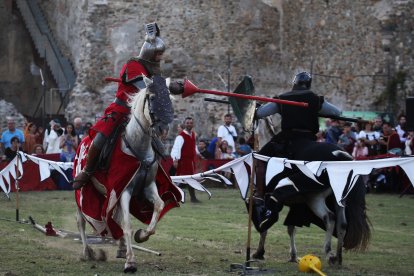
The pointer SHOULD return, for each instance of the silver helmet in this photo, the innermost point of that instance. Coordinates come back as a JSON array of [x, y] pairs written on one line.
[[153, 43]]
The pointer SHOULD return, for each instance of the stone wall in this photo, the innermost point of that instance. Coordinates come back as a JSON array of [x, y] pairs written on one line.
[[353, 48]]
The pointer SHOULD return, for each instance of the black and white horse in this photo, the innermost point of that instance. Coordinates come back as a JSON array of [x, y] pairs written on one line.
[[349, 224]]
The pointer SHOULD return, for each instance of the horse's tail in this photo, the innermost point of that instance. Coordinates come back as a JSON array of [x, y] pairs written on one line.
[[358, 233]]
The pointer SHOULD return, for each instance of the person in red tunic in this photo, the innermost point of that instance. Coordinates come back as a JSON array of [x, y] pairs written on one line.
[[184, 153], [132, 74]]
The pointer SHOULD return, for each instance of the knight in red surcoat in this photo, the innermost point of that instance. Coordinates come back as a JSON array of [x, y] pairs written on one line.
[[146, 64]]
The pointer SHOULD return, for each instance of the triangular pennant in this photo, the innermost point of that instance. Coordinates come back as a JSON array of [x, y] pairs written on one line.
[[306, 171], [274, 167], [3, 186], [196, 185], [338, 175], [6, 176], [314, 167], [55, 165], [44, 170], [409, 171], [226, 181], [23, 156], [12, 171], [242, 178]]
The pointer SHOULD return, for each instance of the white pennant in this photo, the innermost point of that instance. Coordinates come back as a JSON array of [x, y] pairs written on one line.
[[13, 171], [56, 166], [242, 178], [44, 170], [3, 187], [6, 176], [306, 171], [314, 167], [274, 167], [196, 185], [226, 181]]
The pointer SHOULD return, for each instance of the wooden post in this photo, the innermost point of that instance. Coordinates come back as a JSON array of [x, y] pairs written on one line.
[[249, 229], [16, 184]]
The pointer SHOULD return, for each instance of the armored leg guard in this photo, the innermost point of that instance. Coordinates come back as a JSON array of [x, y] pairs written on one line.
[[91, 161]]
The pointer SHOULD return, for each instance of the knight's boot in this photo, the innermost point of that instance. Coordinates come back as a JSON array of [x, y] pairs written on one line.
[[270, 214], [85, 175], [193, 197]]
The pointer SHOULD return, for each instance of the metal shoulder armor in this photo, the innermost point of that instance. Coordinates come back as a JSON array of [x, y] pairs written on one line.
[[329, 109], [267, 110]]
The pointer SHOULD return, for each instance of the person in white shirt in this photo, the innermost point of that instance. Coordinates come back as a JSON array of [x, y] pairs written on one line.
[[52, 139], [370, 138], [227, 132]]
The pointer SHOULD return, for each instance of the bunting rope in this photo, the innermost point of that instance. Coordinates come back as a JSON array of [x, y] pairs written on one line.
[[338, 171]]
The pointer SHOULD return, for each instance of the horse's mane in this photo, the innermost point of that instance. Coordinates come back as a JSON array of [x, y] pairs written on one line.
[[134, 99]]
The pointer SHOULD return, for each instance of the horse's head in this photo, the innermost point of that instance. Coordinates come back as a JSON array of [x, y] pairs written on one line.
[[157, 106]]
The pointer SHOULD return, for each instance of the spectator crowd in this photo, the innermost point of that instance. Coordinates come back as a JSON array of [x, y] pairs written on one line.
[[35, 140]]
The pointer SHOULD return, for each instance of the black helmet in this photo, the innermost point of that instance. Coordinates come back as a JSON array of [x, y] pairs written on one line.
[[302, 80]]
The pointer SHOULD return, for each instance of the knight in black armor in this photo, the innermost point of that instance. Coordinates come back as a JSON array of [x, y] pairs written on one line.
[[299, 128]]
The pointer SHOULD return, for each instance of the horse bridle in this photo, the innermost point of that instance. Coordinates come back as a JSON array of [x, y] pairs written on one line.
[[150, 131]]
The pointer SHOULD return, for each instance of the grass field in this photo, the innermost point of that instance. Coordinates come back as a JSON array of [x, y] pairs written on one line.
[[198, 239]]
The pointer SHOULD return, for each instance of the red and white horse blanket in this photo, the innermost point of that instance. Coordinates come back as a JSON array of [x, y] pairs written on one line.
[[101, 210]]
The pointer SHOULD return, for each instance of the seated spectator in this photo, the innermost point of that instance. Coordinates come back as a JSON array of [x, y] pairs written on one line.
[[360, 149], [243, 148], [30, 137], [320, 136], [229, 154], [40, 135], [212, 147], [221, 149], [377, 125], [400, 129], [78, 127], [370, 138], [11, 151], [389, 140], [202, 150], [409, 143], [11, 132], [68, 144], [347, 139], [333, 132], [38, 149]]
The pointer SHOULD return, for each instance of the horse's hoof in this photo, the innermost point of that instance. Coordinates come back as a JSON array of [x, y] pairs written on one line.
[[88, 254], [130, 267], [140, 237], [293, 260], [101, 255], [332, 260], [258, 255], [121, 253]]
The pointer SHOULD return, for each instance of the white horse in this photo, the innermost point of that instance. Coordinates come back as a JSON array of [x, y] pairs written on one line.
[[351, 223], [137, 143]]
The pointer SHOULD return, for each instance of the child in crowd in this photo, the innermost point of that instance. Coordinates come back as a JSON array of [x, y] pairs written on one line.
[[360, 149]]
